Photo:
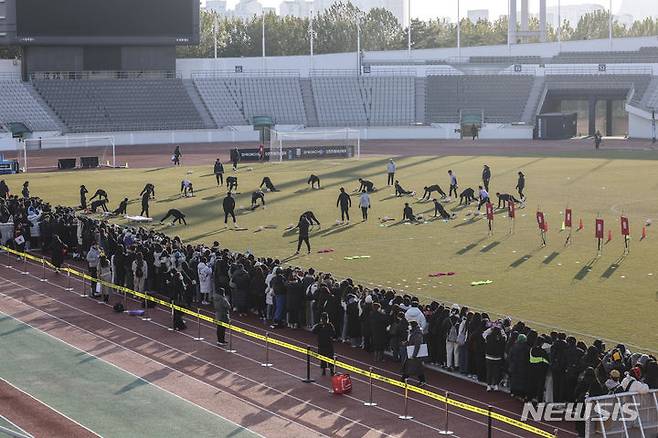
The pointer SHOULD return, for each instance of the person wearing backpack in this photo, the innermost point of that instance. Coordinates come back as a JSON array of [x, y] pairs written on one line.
[[495, 341], [452, 352], [140, 272]]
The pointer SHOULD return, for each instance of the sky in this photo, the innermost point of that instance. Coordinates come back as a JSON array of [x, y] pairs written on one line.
[[425, 9]]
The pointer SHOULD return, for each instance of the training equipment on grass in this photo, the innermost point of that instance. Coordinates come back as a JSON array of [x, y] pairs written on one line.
[[325, 250], [139, 218], [481, 283], [568, 223], [357, 257], [102, 148], [580, 225], [331, 143], [441, 274], [626, 232], [644, 233], [511, 213], [599, 228], [543, 227], [490, 217]]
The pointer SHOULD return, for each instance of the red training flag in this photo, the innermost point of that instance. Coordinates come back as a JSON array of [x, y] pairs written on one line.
[[540, 221], [567, 218], [599, 229], [511, 210], [625, 229], [490, 212]]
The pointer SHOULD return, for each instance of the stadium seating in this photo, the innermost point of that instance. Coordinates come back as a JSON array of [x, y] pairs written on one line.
[[643, 55], [501, 98], [17, 104], [120, 104], [365, 100], [236, 100]]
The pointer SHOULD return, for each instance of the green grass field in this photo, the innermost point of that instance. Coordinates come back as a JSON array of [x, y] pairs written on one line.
[[556, 286]]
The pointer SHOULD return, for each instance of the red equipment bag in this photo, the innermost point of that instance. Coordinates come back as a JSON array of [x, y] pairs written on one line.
[[341, 383]]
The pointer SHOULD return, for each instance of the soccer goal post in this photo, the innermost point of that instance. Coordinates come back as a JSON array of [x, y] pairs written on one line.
[[307, 145], [82, 149]]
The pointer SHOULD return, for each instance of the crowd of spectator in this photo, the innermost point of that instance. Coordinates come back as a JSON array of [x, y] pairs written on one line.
[[498, 352]]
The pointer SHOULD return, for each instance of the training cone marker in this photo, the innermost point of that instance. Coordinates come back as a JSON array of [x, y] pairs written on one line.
[[580, 225], [644, 233], [609, 235], [562, 228]]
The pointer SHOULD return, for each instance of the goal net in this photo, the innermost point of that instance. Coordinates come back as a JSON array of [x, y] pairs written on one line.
[[70, 152], [309, 145]]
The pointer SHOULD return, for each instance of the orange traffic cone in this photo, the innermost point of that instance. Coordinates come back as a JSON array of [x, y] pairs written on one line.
[[644, 232], [580, 225], [609, 235]]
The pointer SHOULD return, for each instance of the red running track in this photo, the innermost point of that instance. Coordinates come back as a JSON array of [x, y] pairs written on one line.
[[272, 401]]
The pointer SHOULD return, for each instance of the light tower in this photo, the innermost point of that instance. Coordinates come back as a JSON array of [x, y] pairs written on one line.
[[514, 34]]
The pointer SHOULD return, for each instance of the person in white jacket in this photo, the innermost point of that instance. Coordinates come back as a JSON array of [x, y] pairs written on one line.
[[632, 384], [364, 203], [414, 313], [140, 273], [391, 167], [205, 280]]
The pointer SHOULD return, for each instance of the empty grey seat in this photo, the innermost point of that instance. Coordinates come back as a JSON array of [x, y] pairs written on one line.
[[18, 105]]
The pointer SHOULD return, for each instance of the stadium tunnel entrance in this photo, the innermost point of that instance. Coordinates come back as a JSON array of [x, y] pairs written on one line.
[[598, 110]]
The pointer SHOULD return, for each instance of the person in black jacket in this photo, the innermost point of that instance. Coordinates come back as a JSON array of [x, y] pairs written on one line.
[[558, 361], [218, 170], [399, 191], [26, 190], [122, 208], [439, 210], [519, 363], [589, 386], [235, 158], [312, 180], [345, 202], [232, 183], [539, 363], [258, 194], [83, 196], [57, 248], [505, 199], [486, 177], [366, 185], [145, 204], [430, 189], [573, 355], [100, 194], [467, 196], [494, 354], [303, 226], [229, 207], [176, 156], [520, 185], [408, 213], [325, 332], [4, 190], [176, 214], [267, 182], [311, 218], [377, 321]]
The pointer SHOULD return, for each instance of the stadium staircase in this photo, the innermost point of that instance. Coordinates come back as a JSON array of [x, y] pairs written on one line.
[[199, 104], [531, 107], [421, 89], [650, 98], [309, 102], [20, 103]]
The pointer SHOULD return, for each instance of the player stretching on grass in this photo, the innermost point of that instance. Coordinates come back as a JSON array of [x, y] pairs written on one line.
[[430, 189], [312, 180], [176, 214], [148, 189], [311, 218], [439, 210], [505, 199], [467, 196], [408, 213], [484, 197], [232, 183], [453, 184], [366, 185], [258, 194], [186, 188], [101, 194], [123, 206], [399, 191], [345, 202], [267, 182]]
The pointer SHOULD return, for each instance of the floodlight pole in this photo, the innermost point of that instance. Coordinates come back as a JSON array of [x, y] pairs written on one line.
[[559, 25], [653, 127], [214, 33], [409, 28], [358, 46], [610, 26], [263, 33], [459, 33]]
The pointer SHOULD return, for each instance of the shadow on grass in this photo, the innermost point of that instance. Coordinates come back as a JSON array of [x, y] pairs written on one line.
[[613, 267], [470, 247], [518, 262], [489, 247], [552, 256], [585, 270]]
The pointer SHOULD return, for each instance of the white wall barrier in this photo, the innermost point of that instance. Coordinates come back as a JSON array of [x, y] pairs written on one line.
[[608, 416]]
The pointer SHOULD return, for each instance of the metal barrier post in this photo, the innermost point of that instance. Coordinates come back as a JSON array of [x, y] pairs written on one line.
[[84, 287], [24, 271], [146, 316], [335, 370], [406, 415], [267, 363], [308, 366], [125, 301], [68, 279], [7, 263], [370, 402], [446, 430], [173, 325], [43, 271], [198, 325], [489, 431], [555, 433], [230, 338]]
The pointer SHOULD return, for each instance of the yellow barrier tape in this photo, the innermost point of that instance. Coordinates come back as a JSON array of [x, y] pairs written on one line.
[[299, 349]]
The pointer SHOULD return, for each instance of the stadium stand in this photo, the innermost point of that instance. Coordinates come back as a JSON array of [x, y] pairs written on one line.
[[364, 101], [505, 102], [87, 105], [17, 104], [237, 100], [650, 99], [507, 60], [636, 82], [645, 55]]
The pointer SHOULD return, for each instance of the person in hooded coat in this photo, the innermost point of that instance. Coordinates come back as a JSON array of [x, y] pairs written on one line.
[[412, 365], [353, 320], [519, 364], [222, 313], [325, 332], [57, 248], [205, 280], [377, 322], [241, 280], [538, 368]]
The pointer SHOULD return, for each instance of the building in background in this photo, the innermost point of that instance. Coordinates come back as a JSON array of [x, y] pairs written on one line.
[[571, 13], [476, 15], [247, 8], [216, 6], [397, 7], [296, 8]]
